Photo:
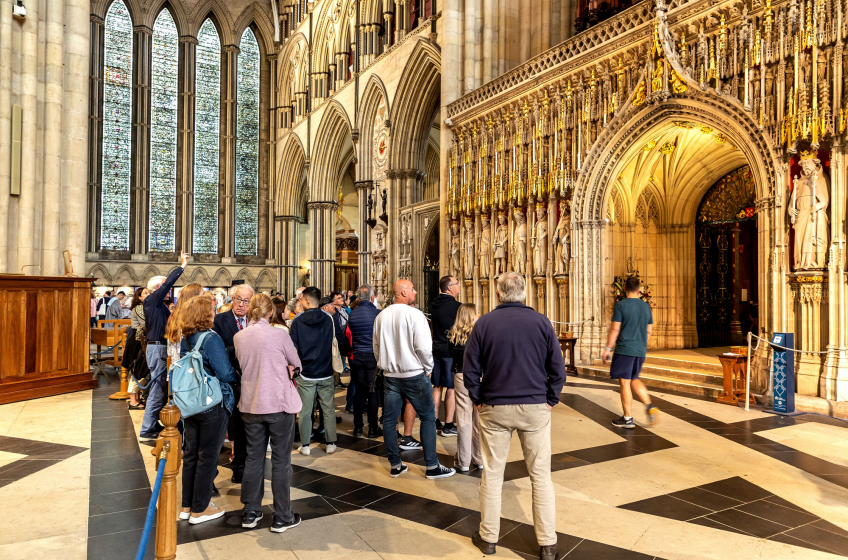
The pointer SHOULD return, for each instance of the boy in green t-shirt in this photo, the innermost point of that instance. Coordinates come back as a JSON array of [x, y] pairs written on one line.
[[629, 331]]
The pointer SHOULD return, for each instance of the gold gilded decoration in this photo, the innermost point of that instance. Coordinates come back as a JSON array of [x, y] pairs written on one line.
[[809, 154], [667, 148], [639, 95], [685, 125], [705, 129], [649, 146], [677, 83], [808, 279], [731, 199]]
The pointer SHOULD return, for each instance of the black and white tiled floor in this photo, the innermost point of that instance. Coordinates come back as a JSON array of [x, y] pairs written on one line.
[[710, 481]]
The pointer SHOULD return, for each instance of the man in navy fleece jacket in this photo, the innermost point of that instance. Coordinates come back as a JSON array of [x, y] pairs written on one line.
[[514, 373]]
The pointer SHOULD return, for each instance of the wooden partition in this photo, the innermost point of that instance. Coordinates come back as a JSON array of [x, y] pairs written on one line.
[[44, 336]]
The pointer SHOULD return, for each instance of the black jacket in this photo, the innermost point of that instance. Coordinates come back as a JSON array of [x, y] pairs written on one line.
[[361, 323], [516, 352], [456, 353], [442, 315], [227, 327], [341, 334], [312, 333], [156, 313]]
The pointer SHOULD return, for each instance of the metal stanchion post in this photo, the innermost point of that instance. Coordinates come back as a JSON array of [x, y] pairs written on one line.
[[748, 376], [166, 520]]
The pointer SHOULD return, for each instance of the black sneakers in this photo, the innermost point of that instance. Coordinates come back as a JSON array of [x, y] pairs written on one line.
[[485, 547], [250, 519], [409, 443], [374, 432], [548, 552], [357, 432], [397, 471], [624, 423], [438, 425], [439, 472], [449, 430], [281, 526]]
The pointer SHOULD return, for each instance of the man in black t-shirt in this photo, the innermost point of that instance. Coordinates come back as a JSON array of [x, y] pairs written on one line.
[[629, 331]]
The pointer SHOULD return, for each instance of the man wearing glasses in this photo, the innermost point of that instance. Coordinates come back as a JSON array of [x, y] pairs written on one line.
[[227, 325], [443, 315]]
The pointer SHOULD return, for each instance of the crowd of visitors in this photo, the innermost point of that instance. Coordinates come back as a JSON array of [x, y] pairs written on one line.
[[279, 362]]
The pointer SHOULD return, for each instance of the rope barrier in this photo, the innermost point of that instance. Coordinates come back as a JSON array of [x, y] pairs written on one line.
[[151, 509], [796, 349]]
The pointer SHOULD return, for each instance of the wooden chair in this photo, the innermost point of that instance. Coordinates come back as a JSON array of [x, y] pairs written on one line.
[[113, 339]]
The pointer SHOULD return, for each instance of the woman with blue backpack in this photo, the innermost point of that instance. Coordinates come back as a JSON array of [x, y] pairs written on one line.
[[206, 401]]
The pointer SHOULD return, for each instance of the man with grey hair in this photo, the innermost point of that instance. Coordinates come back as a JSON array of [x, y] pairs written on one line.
[[514, 373], [361, 325], [156, 315], [227, 325]]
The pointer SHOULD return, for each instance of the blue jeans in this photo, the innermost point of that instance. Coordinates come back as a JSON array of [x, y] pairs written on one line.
[[419, 392], [157, 361]]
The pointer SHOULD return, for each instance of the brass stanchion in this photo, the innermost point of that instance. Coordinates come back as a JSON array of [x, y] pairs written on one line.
[[166, 518], [122, 395]]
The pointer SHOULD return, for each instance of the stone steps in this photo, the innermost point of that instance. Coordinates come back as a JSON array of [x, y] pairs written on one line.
[[697, 378]]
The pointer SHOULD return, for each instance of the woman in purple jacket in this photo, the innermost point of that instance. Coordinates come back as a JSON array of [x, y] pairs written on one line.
[[268, 404]]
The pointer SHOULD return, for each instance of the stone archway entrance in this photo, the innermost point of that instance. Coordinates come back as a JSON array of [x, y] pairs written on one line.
[[430, 269]]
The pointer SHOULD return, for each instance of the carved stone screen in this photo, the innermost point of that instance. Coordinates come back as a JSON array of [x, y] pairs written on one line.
[[117, 128], [163, 134], [207, 128], [247, 146]]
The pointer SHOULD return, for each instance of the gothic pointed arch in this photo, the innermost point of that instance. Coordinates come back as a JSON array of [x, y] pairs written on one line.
[[333, 133], [220, 16], [290, 175], [373, 95], [175, 7], [99, 8], [415, 100], [254, 15], [99, 271]]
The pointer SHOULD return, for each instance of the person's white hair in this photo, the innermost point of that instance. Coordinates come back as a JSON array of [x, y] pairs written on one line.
[[512, 288], [365, 292], [240, 287], [154, 283]]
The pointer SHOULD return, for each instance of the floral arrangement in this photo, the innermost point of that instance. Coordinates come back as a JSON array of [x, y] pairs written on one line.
[[618, 288]]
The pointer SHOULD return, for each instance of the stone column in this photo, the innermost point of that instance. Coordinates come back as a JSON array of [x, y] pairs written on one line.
[[74, 160], [451, 89], [322, 218], [473, 62], [29, 72], [273, 191], [287, 253], [227, 198], [809, 291], [409, 176], [834, 382], [185, 146], [387, 16], [586, 288], [140, 179], [52, 158], [95, 133], [562, 303], [736, 336], [363, 188]]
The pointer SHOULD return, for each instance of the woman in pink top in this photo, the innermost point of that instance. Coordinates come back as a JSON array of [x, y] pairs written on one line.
[[268, 404]]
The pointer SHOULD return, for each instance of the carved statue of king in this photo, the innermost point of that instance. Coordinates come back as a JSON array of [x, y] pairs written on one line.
[[539, 241], [808, 214]]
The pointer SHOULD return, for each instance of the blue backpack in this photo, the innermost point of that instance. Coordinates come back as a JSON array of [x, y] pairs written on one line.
[[193, 390]]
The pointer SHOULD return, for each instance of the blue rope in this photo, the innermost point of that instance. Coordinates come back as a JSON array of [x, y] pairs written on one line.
[[151, 511]]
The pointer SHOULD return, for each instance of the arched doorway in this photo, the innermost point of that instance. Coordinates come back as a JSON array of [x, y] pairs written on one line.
[[431, 266], [726, 247]]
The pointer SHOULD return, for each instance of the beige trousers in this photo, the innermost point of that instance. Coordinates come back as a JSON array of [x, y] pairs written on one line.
[[533, 423], [467, 426]]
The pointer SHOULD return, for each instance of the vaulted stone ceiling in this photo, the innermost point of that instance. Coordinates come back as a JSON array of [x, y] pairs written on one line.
[[681, 160]]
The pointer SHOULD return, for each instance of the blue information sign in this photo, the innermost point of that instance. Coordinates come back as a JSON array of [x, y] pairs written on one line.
[[784, 372]]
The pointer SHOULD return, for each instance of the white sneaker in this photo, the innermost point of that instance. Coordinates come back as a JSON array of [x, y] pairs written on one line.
[[459, 467], [269, 448], [331, 448], [184, 515], [304, 450], [480, 466]]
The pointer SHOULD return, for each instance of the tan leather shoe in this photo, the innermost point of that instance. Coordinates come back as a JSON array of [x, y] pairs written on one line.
[[208, 514]]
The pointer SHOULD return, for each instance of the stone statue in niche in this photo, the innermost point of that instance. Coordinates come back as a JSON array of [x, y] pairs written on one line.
[[469, 247], [379, 255], [808, 215], [485, 242], [539, 241], [519, 242], [455, 248], [501, 239], [562, 236]]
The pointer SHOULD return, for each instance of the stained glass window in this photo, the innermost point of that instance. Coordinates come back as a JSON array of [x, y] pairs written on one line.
[[731, 199], [163, 134], [117, 115], [207, 121], [247, 146]]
